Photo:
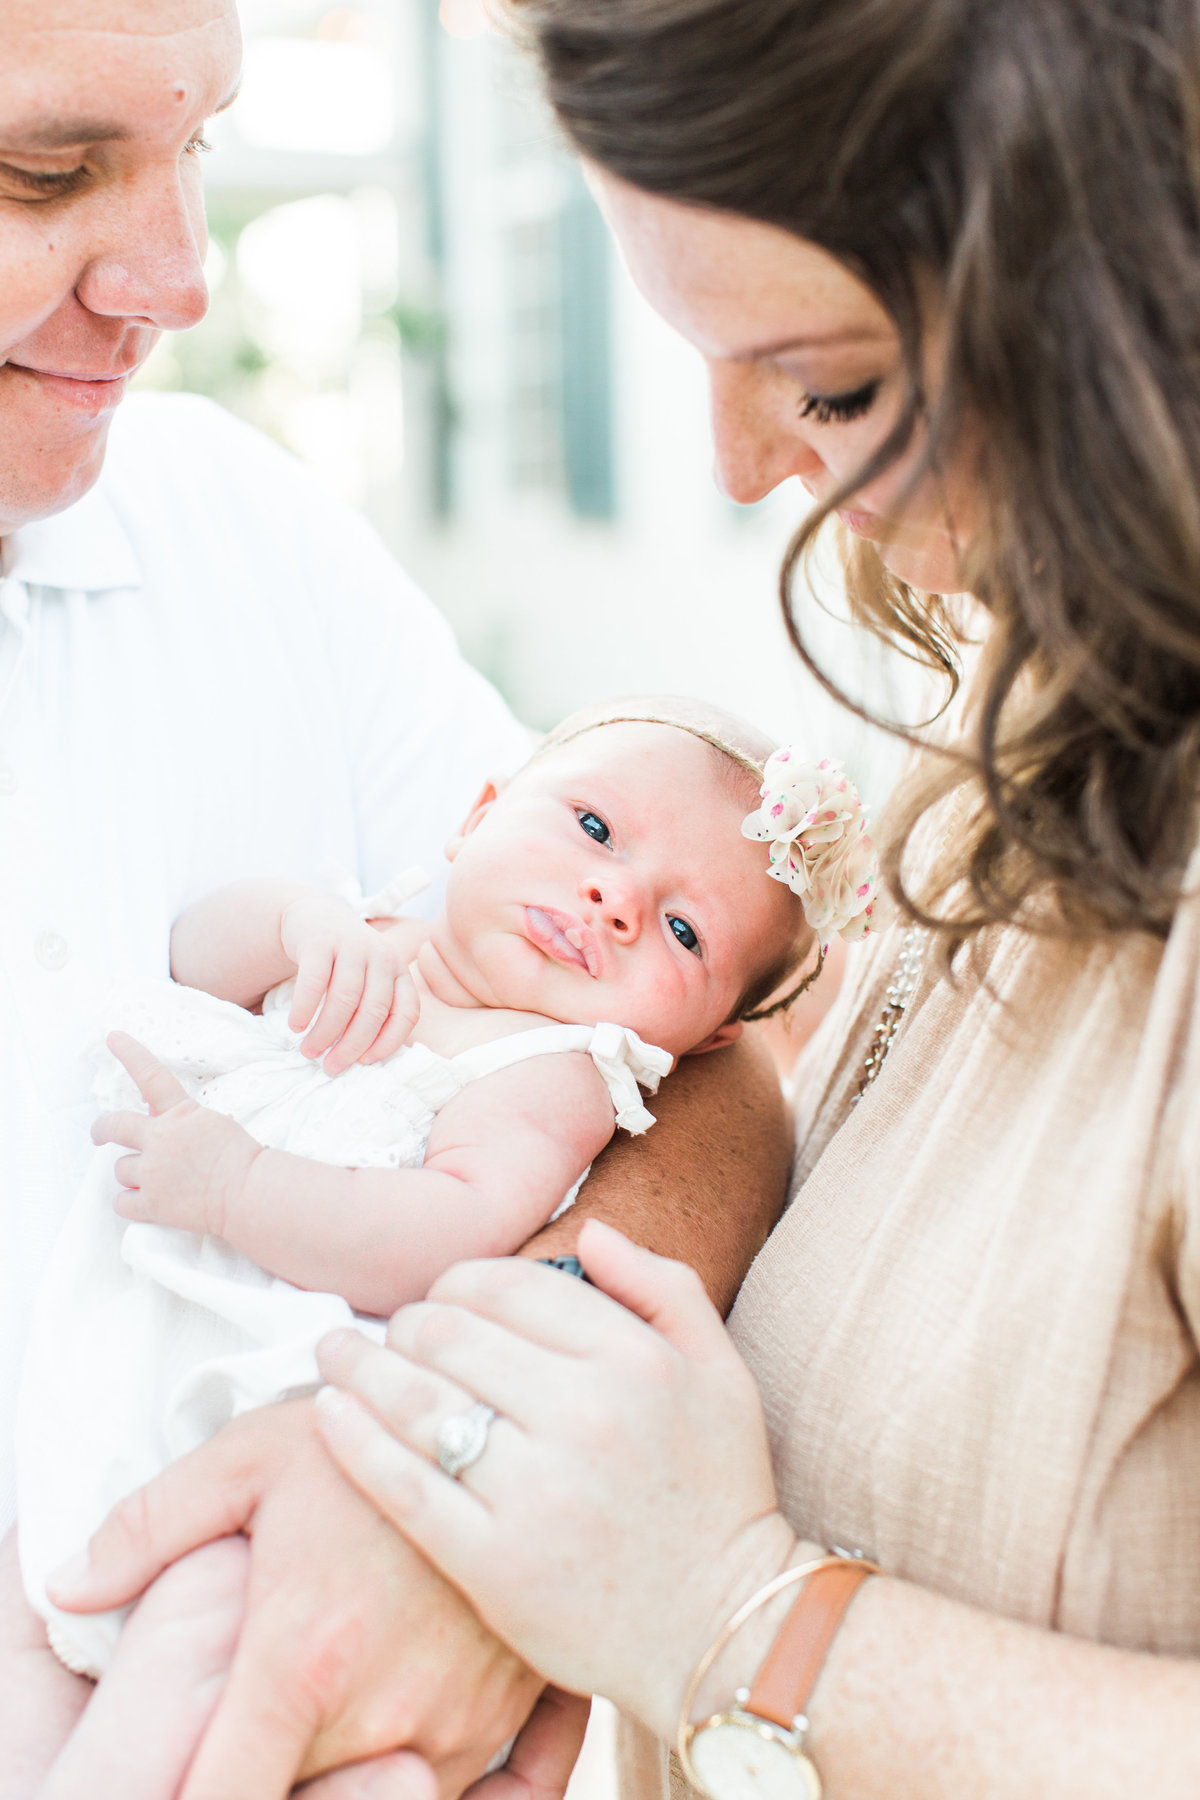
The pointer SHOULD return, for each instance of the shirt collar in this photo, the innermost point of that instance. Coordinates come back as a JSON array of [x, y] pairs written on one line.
[[85, 547]]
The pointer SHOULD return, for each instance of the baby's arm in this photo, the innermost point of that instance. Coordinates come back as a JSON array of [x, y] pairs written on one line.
[[242, 940], [500, 1158]]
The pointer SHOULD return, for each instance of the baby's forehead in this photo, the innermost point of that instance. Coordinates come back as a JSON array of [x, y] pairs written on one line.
[[645, 754]]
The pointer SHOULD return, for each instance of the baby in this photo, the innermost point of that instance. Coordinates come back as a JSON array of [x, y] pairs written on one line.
[[605, 915]]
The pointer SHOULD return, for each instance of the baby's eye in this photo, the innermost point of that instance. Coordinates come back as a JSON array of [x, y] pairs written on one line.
[[684, 933], [595, 828]]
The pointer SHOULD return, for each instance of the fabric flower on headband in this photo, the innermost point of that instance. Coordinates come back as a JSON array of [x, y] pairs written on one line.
[[813, 819]]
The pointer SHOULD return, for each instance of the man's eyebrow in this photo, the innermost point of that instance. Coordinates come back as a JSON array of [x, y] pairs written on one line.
[[813, 341], [64, 134], [68, 134]]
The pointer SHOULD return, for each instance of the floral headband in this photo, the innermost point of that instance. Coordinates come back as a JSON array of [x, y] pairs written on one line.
[[815, 822]]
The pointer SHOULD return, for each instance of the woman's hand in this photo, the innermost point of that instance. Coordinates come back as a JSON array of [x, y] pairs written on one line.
[[624, 1505], [188, 1165], [356, 975], [351, 1645]]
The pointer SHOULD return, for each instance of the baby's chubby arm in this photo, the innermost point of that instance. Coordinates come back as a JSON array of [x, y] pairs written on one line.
[[240, 941], [500, 1158]]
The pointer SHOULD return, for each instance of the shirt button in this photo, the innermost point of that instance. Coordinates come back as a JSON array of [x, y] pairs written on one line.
[[51, 950], [8, 781]]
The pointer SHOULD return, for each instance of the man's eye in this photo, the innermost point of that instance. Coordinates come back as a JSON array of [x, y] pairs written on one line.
[[684, 933], [595, 828], [45, 185]]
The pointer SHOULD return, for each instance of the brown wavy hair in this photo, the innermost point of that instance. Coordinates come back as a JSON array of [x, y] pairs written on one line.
[[1041, 160]]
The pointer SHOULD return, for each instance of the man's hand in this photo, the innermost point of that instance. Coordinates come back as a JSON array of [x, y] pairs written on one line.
[[352, 1645], [190, 1164]]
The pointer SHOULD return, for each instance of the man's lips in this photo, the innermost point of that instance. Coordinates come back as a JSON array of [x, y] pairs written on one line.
[[89, 389], [563, 937]]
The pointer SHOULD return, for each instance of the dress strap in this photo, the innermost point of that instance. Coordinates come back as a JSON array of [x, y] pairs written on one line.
[[388, 903], [619, 1054]]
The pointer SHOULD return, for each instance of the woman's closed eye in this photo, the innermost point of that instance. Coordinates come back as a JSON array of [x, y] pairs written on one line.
[[839, 409], [594, 826], [683, 933]]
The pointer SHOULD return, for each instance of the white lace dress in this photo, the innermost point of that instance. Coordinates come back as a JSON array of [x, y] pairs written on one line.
[[147, 1340]]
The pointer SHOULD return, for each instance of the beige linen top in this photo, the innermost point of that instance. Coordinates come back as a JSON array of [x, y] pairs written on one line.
[[975, 1328]]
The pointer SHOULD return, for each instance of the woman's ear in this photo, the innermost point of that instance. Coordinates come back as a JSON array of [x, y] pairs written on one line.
[[729, 1033], [488, 796]]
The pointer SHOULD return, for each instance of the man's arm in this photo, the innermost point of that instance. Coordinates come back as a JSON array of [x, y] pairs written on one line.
[[707, 1184]]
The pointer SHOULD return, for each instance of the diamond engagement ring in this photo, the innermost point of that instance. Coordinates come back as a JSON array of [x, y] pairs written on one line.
[[462, 1438]]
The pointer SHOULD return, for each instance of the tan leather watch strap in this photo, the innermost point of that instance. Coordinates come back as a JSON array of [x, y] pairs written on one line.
[[788, 1676]]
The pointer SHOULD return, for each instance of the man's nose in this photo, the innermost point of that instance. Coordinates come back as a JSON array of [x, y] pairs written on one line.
[[616, 901], [149, 261], [756, 447]]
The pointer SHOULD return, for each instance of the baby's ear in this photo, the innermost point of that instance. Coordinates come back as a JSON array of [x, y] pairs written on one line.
[[729, 1033], [489, 793]]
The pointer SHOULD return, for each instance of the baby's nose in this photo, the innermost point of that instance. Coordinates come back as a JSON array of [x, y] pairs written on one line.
[[616, 901]]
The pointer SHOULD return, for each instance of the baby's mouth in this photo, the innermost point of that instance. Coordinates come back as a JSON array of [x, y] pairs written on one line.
[[563, 937]]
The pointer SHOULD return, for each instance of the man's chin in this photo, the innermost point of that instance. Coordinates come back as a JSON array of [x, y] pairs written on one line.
[[36, 485]]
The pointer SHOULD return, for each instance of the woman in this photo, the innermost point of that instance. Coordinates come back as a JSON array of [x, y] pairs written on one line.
[[943, 260]]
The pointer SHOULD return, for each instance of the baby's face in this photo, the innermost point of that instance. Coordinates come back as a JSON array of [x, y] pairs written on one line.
[[610, 881]]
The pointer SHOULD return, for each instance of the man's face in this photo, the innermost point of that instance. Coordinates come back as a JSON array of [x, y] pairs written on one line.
[[102, 106]]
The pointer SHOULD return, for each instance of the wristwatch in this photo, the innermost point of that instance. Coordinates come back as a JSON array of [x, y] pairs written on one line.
[[755, 1750]]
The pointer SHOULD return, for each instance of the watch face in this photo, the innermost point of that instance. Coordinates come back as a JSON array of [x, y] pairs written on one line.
[[738, 1758]]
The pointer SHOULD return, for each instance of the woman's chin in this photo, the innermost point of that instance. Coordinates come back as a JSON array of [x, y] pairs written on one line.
[[933, 568]]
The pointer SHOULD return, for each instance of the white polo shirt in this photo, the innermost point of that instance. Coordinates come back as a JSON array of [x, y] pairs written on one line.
[[208, 669]]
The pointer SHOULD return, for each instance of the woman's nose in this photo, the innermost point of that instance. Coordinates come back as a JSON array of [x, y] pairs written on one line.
[[616, 902], [757, 444]]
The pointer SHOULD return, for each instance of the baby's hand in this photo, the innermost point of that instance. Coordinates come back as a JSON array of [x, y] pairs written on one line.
[[355, 974], [190, 1163]]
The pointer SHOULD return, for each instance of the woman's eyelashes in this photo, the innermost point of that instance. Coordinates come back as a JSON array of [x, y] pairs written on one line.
[[594, 826], [839, 409]]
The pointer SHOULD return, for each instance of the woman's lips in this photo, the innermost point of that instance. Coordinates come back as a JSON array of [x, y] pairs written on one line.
[[563, 937], [862, 524]]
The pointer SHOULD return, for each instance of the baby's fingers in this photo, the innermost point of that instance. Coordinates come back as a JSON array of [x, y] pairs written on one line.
[[406, 1010], [156, 1084], [127, 1128], [370, 1017], [312, 984], [342, 997]]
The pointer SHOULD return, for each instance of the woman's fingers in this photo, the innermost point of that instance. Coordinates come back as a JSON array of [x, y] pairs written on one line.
[[443, 1517], [486, 1359], [407, 1398], [157, 1086], [401, 1776], [570, 1316], [667, 1295]]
